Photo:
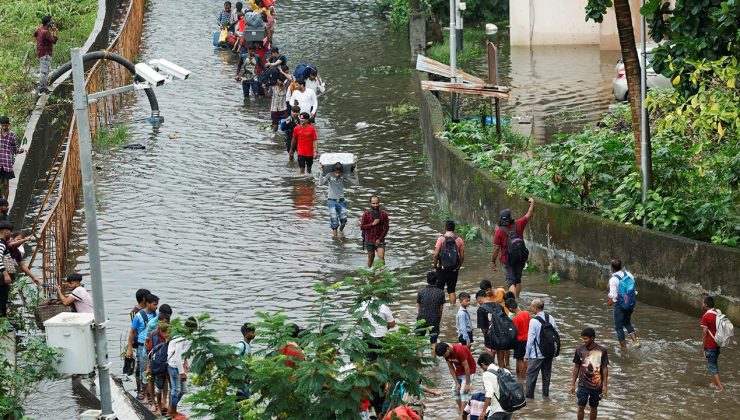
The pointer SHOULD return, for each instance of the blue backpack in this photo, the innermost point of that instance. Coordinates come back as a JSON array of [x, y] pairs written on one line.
[[626, 293]]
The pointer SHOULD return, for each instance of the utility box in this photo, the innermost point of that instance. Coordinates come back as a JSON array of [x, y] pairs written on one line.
[[329, 159], [252, 34], [72, 334]]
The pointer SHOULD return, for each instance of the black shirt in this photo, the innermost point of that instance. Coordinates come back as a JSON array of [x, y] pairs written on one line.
[[430, 299]]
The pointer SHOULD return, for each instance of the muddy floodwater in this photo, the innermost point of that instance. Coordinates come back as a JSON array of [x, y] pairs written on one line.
[[212, 218]]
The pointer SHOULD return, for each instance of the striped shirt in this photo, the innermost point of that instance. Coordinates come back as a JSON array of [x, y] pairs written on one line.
[[8, 150], [4, 250]]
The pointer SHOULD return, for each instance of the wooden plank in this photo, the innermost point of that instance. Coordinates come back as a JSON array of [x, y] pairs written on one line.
[[428, 65], [492, 91]]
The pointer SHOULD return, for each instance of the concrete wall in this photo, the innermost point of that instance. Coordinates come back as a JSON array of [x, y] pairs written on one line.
[[563, 22], [45, 128], [671, 271]]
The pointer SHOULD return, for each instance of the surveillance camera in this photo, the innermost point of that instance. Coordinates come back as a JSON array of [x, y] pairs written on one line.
[[170, 68], [462, 6], [149, 75], [491, 29]]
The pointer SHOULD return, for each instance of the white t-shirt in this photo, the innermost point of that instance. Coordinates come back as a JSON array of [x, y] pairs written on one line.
[[614, 283], [306, 100], [385, 313], [83, 301], [315, 86], [490, 384]]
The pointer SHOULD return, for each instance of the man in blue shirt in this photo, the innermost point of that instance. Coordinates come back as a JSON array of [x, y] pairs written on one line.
[[138, 335], [535, 359]]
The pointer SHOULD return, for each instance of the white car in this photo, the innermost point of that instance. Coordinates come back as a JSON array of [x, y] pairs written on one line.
[[654, 80]]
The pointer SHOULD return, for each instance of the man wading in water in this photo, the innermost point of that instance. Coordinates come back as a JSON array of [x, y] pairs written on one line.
[[335, 200], [374, 225]]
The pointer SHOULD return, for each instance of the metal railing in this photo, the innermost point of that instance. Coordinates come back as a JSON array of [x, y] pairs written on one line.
[[55, 232]]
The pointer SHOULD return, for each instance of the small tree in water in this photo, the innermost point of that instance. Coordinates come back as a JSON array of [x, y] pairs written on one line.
[[328, 375]]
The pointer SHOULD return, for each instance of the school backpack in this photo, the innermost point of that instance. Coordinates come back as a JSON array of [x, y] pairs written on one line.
[[302, 71], [511, 393], [254, 20], [549, 340], [725, 329], [158, 358], [626, 294], [501, 330], [516, 250], [270, 76], [449, 255]]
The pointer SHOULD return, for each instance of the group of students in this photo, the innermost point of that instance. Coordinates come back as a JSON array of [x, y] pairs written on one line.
[[505, 326], [155, 357]]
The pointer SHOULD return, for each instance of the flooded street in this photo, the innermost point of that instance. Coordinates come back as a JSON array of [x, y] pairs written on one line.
[[211, 217]]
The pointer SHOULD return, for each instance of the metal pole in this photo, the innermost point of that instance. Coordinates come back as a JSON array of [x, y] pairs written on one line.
[[643, 116], [453, 60], [493, 79], [91, 223], [459, 25]]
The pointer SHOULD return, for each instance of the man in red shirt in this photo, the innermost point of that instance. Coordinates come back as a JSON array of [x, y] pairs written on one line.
[[461, 364], [708, 330], [46, 37], [374, 225], [306, 141], [509, 227]]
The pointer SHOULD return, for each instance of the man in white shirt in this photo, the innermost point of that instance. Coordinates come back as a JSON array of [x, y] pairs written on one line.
[[314, 82], [177, 367], [305, 99], [491, 407], [79, 297]]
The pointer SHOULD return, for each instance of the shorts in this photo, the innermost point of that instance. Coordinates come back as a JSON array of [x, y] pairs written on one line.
[[159, 381], [590, 396], [142, 360], [370, 246], [465, 340], [520, 349], [712, 355], [305, 162], [276, 116], [513, 274], [461, 395], [7, 174], [433, 333], [447, 277]]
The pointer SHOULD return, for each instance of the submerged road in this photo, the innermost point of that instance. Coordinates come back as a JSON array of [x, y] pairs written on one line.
[[212, 218]]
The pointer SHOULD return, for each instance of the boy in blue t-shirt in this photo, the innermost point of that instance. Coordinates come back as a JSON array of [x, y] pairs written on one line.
[[138, 335]]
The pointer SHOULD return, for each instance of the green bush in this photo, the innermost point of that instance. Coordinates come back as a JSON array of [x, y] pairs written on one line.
[[334, 373]]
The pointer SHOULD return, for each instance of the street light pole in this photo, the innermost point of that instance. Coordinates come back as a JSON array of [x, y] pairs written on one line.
[[644, 133], [453, 60], [91, 223]]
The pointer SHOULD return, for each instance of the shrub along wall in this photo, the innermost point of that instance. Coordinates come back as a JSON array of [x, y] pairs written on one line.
[[671, 271]]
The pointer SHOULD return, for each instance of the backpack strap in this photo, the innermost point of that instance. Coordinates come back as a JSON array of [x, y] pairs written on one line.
[[510, 233], [244, 347]]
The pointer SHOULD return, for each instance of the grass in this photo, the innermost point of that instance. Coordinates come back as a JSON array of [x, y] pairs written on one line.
[[18, 20], [402, 109], [418, 158], [474, 48], [111, 137]]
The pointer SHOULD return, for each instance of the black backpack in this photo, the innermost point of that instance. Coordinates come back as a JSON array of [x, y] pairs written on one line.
[[449, 255], [511, 393], [516, 250], [549, 340], [501, 330], [158, 358], [269, 77]]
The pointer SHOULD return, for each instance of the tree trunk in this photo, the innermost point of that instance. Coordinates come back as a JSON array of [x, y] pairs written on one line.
[[631, 66]]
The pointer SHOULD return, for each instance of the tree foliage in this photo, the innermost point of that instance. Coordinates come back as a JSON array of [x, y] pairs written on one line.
[[334, 374], [693, 30], [398, 11]]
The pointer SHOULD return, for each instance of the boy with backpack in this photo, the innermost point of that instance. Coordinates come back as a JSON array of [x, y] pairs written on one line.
[[623, 296], [716, 331], [591, 372], [244, 348], [509, 247], [543, 345], [449, 254], [504, 394], [157, 370]]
